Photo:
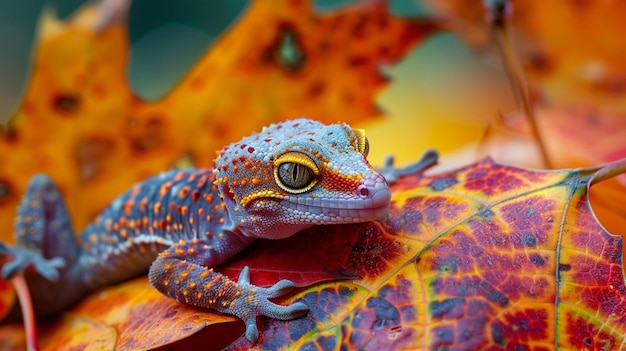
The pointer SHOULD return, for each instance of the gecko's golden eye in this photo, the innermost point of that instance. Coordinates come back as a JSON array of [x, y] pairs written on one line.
[[295, 172]]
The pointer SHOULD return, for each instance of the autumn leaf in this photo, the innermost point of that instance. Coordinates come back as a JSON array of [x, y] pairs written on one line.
[[105, 138], [483, 256]]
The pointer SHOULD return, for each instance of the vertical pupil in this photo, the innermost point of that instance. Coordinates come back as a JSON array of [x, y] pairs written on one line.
[[294, 173]]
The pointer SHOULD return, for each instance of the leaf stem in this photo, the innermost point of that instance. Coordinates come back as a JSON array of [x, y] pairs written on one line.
[[28, 313], [497, 13], [609, 170]]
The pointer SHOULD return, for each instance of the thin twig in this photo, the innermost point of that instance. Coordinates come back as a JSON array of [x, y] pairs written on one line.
[[498, 12]]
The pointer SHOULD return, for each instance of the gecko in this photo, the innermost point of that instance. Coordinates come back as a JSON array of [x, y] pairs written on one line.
[[179, 224]]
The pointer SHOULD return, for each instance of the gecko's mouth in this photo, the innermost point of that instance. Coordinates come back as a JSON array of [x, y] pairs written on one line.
[[339, 210]]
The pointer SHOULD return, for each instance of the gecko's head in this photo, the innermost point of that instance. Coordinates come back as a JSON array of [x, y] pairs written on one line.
[[296, 174]]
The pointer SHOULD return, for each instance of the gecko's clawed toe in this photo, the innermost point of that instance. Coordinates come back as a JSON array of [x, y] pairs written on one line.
[[25, 258]]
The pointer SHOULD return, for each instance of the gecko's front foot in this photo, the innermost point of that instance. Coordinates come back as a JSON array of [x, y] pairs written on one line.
[[391, 173], [257, 303], [23, 258]]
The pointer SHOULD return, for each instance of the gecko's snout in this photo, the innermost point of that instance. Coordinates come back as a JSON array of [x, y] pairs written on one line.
[[375, 195]]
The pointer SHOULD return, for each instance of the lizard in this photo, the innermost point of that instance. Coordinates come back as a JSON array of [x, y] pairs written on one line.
[[179, 224]]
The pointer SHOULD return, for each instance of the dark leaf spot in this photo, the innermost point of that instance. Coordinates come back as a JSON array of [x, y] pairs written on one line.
[[148, 135], [91, 155], [5, 190], [537, 260], [497, 333], [529, 240], [66, 104], [565, 267], [288, 49], [486, 214], [448, 308], [443, 336]]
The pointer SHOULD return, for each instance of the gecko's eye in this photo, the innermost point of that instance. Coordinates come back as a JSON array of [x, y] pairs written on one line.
[[295, 172]]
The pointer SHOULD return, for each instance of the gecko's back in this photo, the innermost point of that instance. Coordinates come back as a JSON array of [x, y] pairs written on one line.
[[126, 237]]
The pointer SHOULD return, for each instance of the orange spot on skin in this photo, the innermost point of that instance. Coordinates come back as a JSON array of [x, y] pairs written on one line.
[[157, 208], [183, 192], [128, 207], [256, 181], [184, 210], [165, 188], [209, 198]]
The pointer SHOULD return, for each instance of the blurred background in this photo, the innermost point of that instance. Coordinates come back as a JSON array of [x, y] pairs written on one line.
[[451, 91]]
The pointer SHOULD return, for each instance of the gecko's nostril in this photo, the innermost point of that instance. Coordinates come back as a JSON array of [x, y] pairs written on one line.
[[363, 191]]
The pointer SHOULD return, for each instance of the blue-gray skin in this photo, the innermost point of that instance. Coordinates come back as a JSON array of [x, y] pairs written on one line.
[[178, 224]]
